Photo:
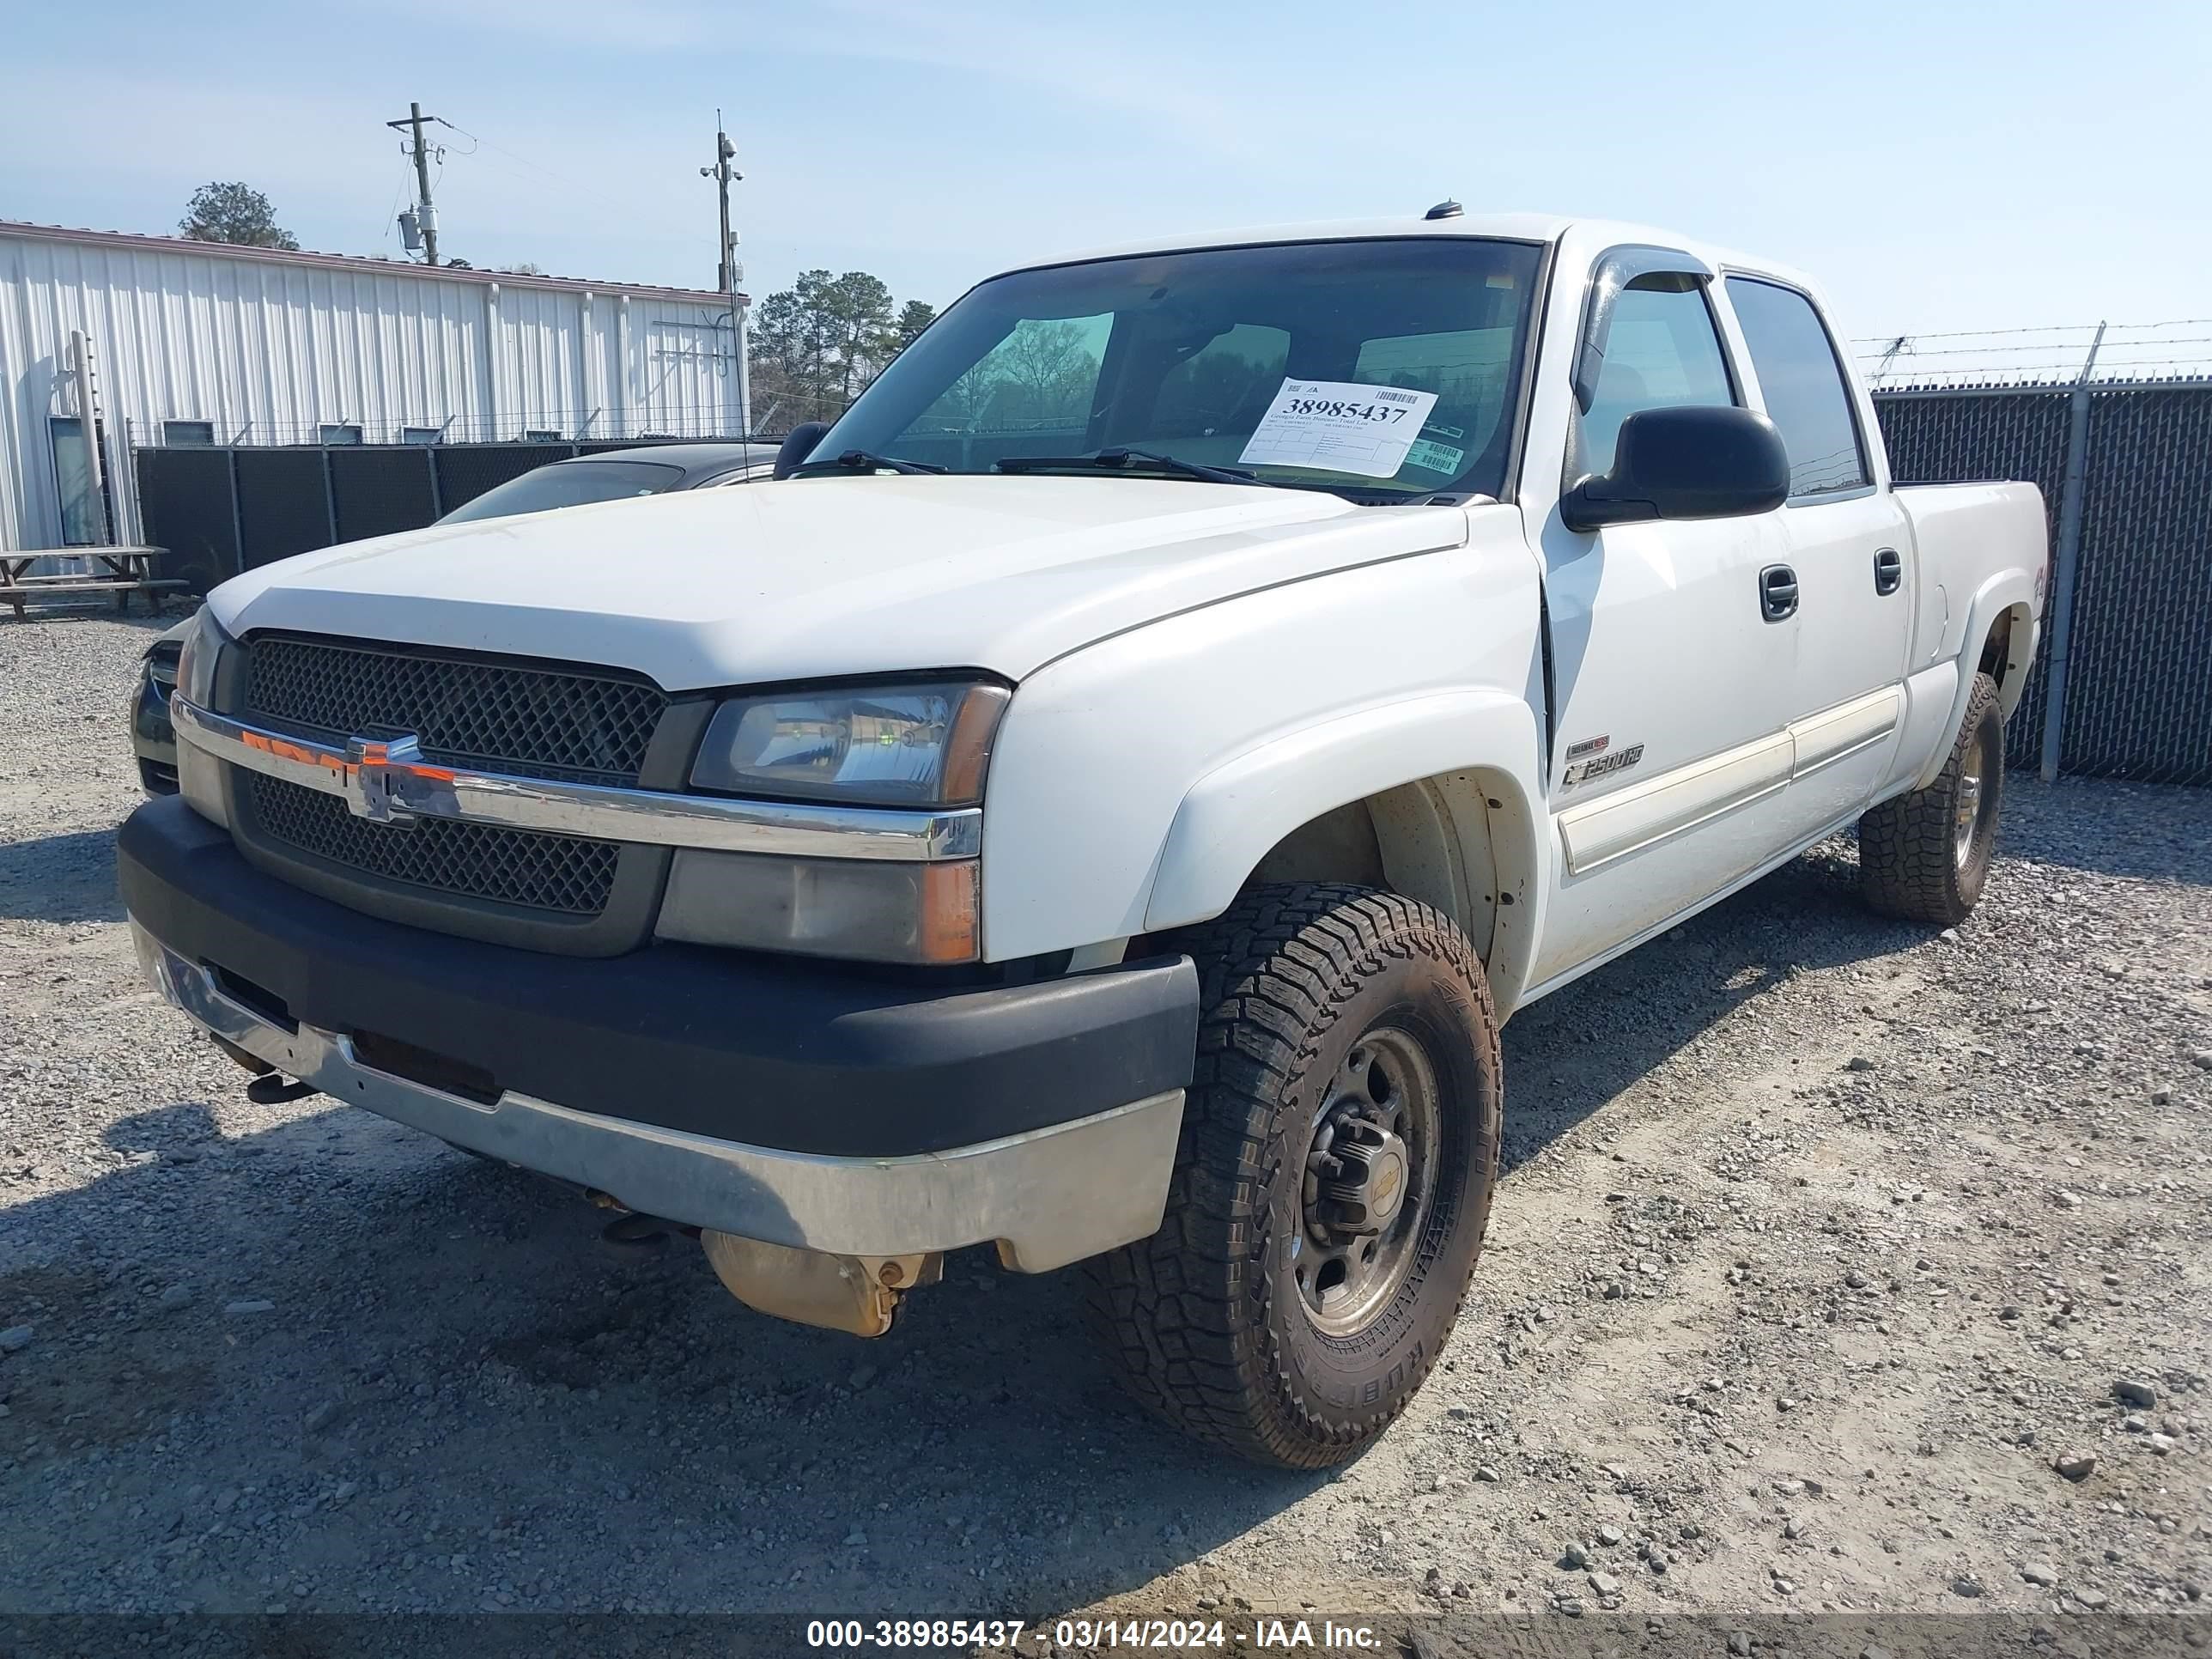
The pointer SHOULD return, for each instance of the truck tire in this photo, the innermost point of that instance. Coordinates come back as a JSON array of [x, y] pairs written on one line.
[[1925, 855], [1340, 1149]]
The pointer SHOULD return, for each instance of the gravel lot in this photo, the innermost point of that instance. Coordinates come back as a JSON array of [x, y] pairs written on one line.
[[1826, 1245]]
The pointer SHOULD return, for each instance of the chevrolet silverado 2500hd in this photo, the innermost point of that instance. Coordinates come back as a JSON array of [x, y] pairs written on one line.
[[1101, 800]]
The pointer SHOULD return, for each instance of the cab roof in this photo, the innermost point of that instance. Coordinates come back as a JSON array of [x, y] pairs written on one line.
[[1545, 227]]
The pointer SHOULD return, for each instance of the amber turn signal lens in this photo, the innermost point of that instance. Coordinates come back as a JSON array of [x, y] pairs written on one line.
[[951, 912]]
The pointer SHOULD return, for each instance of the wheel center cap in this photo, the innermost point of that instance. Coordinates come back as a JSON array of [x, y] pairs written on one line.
[[1386, 1180], [1364, 1175]]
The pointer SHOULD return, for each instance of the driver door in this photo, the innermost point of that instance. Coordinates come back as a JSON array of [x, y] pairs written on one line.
[[1670, 755]]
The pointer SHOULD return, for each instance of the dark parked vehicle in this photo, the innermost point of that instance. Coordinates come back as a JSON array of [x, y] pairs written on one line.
[[652, 469]]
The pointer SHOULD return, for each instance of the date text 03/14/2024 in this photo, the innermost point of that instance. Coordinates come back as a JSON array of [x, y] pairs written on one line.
[[1283, 1635]]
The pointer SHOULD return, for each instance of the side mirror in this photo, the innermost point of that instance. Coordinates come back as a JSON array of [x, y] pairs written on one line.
[[1687, 462], [797, 445]]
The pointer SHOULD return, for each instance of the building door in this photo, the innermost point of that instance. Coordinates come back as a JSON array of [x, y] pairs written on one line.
[[82, 489]]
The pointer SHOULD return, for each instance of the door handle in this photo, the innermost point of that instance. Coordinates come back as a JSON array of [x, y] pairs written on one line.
[[1888, 571], [1777, 593]]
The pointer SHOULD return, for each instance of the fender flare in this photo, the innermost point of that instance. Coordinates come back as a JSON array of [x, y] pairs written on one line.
[[1235, 814], [1999, 594]]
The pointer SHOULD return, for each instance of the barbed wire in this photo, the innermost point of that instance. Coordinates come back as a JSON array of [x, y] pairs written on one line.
[[2048, 354], [2039, 328]]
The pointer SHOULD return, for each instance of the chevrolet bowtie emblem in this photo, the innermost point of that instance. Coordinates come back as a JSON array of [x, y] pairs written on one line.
[[373, 766]]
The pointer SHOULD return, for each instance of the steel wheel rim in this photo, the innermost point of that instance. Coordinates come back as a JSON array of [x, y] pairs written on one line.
[[1344, 1278], [1972, 802]]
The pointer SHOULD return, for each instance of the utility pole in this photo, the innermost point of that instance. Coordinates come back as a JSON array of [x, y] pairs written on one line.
[[426, 215], [728, 273]]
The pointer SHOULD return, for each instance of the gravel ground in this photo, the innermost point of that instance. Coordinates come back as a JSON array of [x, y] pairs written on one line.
[[1837, 1266]]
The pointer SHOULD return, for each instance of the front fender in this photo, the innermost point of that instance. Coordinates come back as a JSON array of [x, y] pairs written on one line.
[[1483, 745], [1236, 813], [1184, 749]]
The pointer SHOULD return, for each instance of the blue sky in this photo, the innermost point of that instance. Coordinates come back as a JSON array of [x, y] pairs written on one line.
[[1938, 165]]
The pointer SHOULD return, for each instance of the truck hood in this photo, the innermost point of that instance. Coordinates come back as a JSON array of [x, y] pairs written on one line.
[[826, 576]]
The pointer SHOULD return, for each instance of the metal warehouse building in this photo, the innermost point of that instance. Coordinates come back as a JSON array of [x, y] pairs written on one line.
[[174, 344]]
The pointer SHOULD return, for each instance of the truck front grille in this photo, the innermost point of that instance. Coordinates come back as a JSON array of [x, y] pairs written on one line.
[[592, 726], [565, 875]]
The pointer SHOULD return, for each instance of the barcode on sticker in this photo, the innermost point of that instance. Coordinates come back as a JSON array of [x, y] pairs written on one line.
[[1386, 396]]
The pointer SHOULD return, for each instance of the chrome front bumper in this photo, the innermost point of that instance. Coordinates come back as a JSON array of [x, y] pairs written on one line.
[[1047, 1197]]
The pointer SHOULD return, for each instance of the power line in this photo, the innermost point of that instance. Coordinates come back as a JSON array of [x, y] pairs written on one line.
[[503, 149]]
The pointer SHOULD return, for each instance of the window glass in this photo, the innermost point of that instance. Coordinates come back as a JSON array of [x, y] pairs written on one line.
[[1662, 352], [422, 434], [83, 518], [1802, 385], [342, 433], [1183, 354], [1467, 368], [1215, 386], [1038, 380], [182, 434]]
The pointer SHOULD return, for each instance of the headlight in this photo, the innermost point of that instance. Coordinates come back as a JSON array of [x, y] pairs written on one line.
[[196, 658], [199, 774], [919, 744]]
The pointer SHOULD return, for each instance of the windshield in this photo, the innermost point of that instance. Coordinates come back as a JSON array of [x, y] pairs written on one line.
[[567, 484], [1387, 368]]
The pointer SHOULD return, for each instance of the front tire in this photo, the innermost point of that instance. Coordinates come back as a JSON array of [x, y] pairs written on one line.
[[1925, 856], [1339, 1151]]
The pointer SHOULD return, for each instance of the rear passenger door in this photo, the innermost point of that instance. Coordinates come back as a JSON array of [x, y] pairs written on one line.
[[1847, 544]]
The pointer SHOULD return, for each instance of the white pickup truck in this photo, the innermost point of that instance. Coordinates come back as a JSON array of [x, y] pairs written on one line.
[[1103, 797]]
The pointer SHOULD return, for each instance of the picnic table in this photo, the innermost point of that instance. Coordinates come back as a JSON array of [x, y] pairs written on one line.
[[124, 571]]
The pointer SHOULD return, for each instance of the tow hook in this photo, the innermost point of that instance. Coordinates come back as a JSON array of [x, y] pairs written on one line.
[[272, 1089], [856, 1294], [633, 1227]]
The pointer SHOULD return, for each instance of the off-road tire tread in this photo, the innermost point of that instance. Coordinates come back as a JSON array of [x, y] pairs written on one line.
[[1905, 865], [1179, 1315]]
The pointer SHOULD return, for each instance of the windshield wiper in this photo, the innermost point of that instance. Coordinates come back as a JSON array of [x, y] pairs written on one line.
[[861, 460], [1129, 459]]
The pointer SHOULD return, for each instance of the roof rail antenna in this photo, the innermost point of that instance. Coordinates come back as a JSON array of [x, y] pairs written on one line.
[[1446, 208]]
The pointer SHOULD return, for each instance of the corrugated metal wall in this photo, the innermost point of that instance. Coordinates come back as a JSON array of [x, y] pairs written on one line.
[[270, 351]]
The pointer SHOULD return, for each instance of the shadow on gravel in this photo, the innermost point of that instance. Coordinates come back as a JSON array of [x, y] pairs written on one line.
[[67, 878], [325, 1363], [338, 1365], [1578, 1048], [334, 1366]]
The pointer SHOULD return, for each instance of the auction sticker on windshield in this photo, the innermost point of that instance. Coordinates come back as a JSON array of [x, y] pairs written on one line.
[[1339, 426]]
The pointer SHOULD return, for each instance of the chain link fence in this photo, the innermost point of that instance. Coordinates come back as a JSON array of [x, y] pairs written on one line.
[[1954, 438], [2132, 697]]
